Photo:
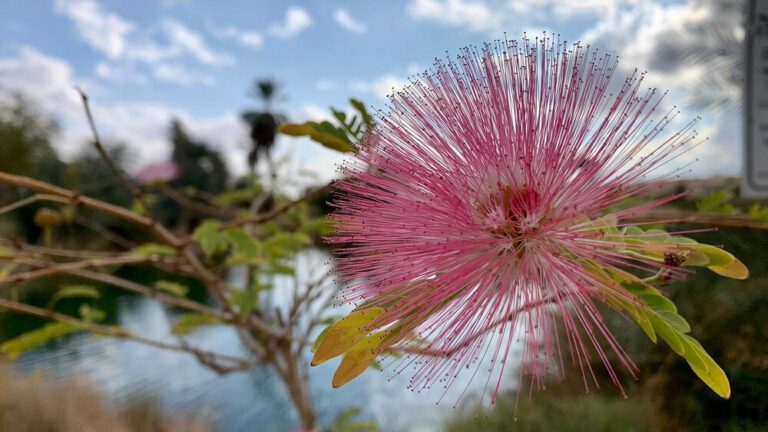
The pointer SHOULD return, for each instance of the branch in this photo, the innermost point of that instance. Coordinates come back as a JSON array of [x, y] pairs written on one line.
[[121, 333], [258, 219], [474, 336], [199, 207], [693, 218], [104, 207], [135, 191]]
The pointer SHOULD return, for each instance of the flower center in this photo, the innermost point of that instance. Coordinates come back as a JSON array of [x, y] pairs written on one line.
[[508, 214]]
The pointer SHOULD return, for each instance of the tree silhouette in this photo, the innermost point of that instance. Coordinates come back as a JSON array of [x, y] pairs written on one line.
[[263, 124]]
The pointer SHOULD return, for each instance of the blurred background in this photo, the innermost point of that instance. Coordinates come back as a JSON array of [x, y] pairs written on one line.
[[192, 92]]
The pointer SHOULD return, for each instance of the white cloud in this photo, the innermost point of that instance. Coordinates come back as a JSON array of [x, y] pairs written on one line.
[[180, 74], [344, 19], [380, 87], [247, 38], [637, 35], [125, 44], [119, 73], [105, 31], [45, 79], [184, 40], [296, 21], [48, 81], [476, 16], [325, 85], [309, 112], [568, 8]]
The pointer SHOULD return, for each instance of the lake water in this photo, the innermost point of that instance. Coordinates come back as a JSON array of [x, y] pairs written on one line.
[[125, 371]]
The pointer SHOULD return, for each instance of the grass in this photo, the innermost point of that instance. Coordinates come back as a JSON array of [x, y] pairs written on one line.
[[547, 412], [37, 404]]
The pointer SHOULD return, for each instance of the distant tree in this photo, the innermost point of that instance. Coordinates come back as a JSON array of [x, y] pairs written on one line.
[[201, 167], [26, 135], [263, 124]]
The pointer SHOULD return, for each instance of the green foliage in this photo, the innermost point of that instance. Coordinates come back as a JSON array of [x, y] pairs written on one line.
[[717, 203], [245, 300], [758, 213], [343, 136], [551, 411], [73, 291], [210, 238], [153, 249], [345, 422], [190, 322], [38, 337], [171, 287]]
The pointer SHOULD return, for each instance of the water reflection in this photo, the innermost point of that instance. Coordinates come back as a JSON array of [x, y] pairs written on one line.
[[127, 372]]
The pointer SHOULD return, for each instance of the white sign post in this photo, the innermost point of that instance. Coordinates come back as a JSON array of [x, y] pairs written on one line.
[[754, 182]]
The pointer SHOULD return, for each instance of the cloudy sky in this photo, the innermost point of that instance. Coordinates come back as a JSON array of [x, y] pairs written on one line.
[[144, 61]]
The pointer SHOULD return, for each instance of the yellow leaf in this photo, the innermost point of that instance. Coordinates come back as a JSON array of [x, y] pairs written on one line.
[[358, 359], [706, 369], [345, 333], [734, 270], [296, 129], [332, 142]]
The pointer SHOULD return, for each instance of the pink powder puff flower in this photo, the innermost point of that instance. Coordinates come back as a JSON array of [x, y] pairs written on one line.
[[476, 215], [159, 172]]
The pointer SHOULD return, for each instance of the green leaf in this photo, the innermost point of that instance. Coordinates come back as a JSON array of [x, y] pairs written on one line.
[[245, 300], [345, 333], [73, 291], [717, 256], [153, 249], [667, 332], [89, 314], [360, 107], [13, 348], [650, 296], [190, 322], [672, 327], [676, 321], [246, 249], [210, 238], [171, 287]]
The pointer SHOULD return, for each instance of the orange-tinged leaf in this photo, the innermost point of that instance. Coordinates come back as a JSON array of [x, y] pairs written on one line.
[[345, 333], [358, 359], [734, 270], [332, 142], [296, 129]]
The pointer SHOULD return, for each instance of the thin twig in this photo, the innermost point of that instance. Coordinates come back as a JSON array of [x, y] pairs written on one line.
[[258, 219], [120, 332], [132, 188], [474, 336], [693, 218], [199, 207]]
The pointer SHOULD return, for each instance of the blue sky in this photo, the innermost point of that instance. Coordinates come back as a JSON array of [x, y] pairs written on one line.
[[144, 61]]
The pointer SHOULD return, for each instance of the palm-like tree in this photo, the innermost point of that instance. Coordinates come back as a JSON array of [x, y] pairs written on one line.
[[263, 124]]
